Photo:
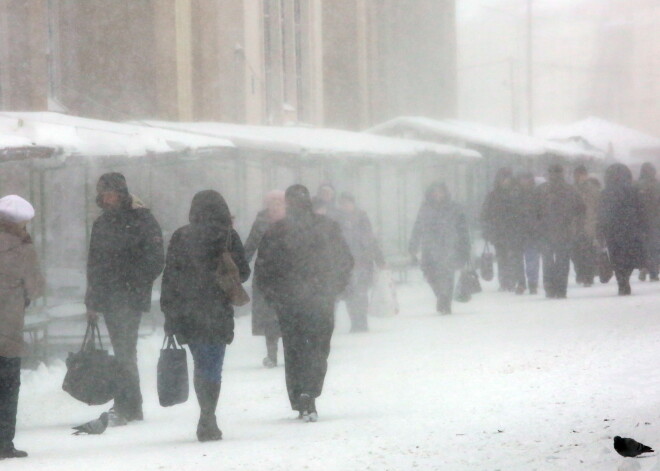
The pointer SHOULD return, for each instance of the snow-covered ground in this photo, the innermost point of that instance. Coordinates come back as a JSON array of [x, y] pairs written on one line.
[[507, 382]]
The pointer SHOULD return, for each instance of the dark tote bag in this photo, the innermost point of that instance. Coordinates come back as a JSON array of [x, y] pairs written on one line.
[[468, 284], [172, 373], [487, 260], [91, 373], [605, 270]]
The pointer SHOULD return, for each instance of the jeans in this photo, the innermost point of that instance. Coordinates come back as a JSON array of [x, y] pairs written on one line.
[[532, 257], [123, 329], [10, 383], [208, 360]]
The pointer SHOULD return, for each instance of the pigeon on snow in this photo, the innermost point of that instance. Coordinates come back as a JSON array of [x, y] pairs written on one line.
[[93, 427], [630, 448]]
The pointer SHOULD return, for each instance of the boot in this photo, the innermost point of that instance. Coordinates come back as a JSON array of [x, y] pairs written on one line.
[[207, 395], [7, 450]]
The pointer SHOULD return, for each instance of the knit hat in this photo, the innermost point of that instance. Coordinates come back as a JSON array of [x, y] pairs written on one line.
[[113, 182], [15, 209]]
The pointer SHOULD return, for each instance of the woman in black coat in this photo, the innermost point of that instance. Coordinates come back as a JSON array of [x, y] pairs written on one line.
[[621, 224], [196, 310]]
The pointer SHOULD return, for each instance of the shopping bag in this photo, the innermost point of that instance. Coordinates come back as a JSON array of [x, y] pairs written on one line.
[[383, 302], [487, 259], [172, 373], [468, 284], [605, 270], [91, 373]]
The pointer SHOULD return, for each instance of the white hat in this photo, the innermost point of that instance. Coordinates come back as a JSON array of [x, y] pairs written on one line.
[[15, 209]]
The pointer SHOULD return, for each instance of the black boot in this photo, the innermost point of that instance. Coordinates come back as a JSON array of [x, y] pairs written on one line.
[[207, 395], [7, 450]]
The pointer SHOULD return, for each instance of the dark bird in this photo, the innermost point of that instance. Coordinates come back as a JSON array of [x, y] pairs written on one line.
[[630, 448], [93, 427]]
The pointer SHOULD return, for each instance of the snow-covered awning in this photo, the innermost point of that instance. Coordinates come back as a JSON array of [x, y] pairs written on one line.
[[471, 134], [319, 142], [91, 137], [619, 142]]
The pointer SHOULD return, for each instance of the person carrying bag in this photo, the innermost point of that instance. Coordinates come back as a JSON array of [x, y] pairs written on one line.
[[91, 372]]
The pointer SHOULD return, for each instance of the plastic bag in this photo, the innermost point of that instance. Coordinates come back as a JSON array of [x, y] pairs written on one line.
[[383, 302]]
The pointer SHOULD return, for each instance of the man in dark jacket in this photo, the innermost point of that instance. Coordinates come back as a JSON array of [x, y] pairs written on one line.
[[356, 228], [649, 192], [125, 257], [561, 211], [302, 266], [441, 231]]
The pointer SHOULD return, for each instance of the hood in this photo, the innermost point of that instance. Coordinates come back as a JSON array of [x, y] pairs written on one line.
[[618, 175]]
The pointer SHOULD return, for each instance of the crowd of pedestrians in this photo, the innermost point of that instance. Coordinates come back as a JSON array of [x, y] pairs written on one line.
[[310, 253]]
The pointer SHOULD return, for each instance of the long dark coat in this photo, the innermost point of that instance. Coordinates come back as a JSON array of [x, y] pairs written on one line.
[[303, 264], [442, 232], [264, 317], [621, 220], [125, 257], [196, 309], [499, 215]]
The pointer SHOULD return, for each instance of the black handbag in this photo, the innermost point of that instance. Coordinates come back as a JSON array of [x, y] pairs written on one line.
[[487, 260], [468, 284], [605, 270], [172, 373], [91, 373]]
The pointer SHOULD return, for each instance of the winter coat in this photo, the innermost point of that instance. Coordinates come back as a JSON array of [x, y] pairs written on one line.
[[500, 213], [590, 194], [649, 193], [561, 213], [303, 265], [442, 233], [264, 317], [20, 283], [622, 223], [356, 229], [125, 258], [196, 309]]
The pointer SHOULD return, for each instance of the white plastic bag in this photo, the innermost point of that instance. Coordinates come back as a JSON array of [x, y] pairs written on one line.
[[383, 302]]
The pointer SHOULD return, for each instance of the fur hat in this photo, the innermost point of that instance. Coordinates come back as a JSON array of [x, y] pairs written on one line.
[[15, 209]]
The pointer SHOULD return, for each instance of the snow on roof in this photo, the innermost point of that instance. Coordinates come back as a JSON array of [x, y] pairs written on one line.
[[9, 140], [466, 133], [318, 141], [623, 142], [92, 137]]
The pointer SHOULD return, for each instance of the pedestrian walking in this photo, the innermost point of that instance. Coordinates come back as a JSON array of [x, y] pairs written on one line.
[[125, 258], [585, 251], [622, 224], [499, 216], [264, 317], [327, 200], [303, 264], [357, 231], [561, 212], [196, 309], [649, 192], [529, 232], [21, 283], [441, 232]]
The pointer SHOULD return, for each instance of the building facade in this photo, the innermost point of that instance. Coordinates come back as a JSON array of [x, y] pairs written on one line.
[[340, 63]]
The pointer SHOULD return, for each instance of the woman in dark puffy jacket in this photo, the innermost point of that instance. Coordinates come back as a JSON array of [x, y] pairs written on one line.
[[196, 310], [622, 225]]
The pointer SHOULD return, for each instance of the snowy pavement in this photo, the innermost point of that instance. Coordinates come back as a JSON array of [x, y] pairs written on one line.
[[506, 383]]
